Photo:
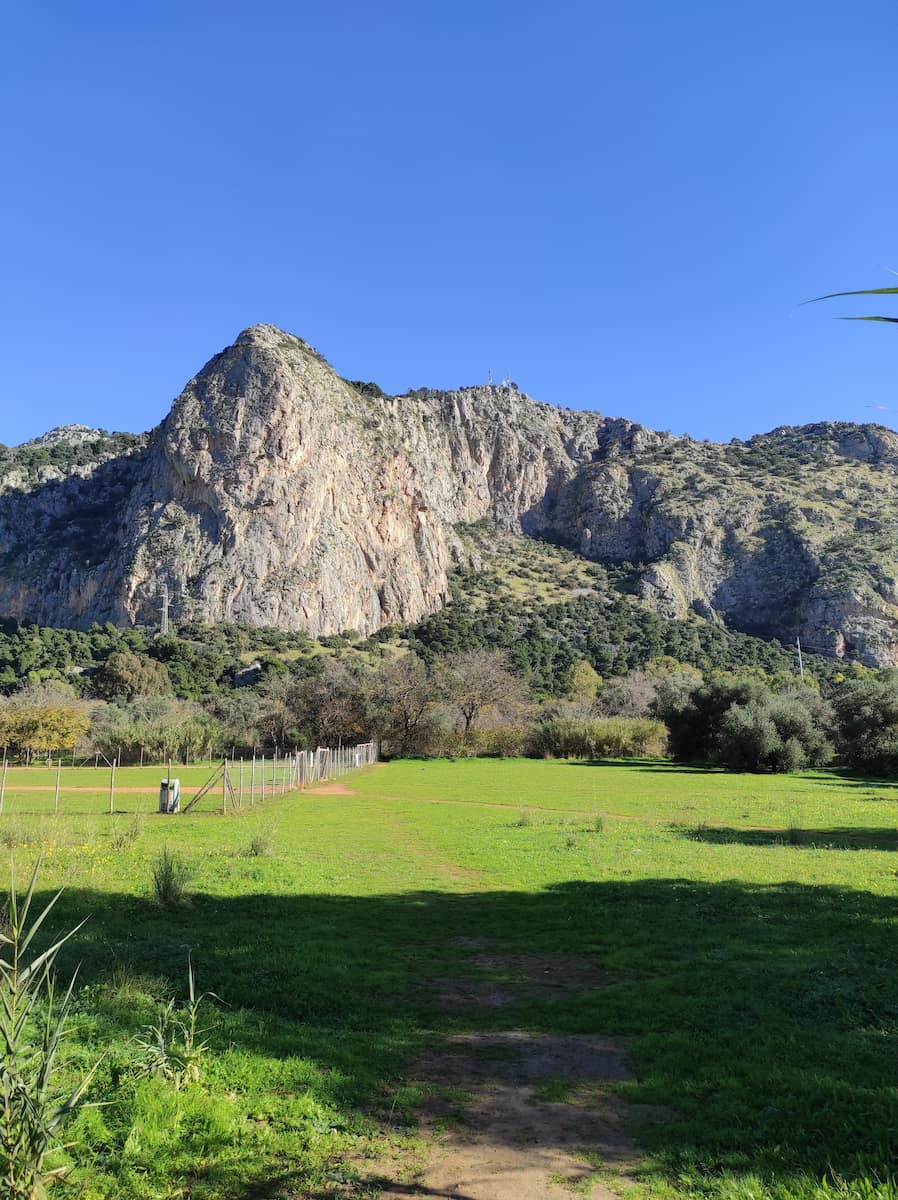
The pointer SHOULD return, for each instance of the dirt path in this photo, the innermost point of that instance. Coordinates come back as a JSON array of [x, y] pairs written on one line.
[[515, 1115], [495, 1130], [101, 787]]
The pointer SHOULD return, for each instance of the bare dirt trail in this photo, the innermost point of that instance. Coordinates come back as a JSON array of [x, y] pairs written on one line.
[[516, 1115], [494, 1133]]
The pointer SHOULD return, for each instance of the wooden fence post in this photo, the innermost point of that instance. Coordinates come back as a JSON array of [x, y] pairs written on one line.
[[112, 787], [56, 793]]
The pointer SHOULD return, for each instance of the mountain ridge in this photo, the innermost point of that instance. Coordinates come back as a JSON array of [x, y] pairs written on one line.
[[277, 493]]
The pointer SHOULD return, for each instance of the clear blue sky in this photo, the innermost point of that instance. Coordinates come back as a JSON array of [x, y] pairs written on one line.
[[619, 203]]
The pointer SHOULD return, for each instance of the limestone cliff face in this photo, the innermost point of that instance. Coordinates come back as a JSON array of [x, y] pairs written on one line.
[[277, 493]]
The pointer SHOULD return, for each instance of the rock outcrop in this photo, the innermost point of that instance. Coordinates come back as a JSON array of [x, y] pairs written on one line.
[[277, 493]]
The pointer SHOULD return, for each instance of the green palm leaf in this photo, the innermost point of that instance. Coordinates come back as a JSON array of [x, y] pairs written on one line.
[[891, 320], [890, 291]]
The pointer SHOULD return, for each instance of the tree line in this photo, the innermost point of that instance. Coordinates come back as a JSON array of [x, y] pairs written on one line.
[[469, 702]]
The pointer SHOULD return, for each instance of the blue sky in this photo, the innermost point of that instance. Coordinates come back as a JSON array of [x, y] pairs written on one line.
[[619, 203]]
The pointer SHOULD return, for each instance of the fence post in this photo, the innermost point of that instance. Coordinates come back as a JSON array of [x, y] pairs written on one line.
[[252, 781], [112, 787], [224, 786], [262, 788], [241, 783], [3, 779], [56, 793]]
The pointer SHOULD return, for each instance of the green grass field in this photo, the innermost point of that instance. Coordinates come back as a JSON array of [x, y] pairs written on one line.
[[747, 925]]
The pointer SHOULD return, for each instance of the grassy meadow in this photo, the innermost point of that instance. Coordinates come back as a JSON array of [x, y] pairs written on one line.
[[746, 926]]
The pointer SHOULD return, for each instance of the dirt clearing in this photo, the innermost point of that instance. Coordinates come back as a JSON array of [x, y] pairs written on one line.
[[515, 1115]]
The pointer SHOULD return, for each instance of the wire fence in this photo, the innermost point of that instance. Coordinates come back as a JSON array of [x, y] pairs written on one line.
[[230, 783]]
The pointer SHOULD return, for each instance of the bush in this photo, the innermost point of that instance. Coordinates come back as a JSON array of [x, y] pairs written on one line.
[[773, 734], [501, 742], [694, 726], [613, 737]]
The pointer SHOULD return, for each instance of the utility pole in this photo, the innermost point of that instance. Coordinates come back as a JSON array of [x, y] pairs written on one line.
[[163, 627], [800, 662]]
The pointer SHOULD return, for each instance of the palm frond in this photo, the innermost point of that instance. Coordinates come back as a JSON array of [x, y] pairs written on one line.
[[890, 320], [889, 291]]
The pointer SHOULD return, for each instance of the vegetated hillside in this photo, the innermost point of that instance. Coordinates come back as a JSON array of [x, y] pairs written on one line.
[[278, 494], [68, 450], [547, 607]]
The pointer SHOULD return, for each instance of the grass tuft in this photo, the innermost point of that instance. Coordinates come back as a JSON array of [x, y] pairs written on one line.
[[261, 844], [171, 880], [124, 836]]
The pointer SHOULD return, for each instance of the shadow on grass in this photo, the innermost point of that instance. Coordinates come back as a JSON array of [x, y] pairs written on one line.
[[764, 1017], [835, 777], [848, 837], [654, 765], [843, 778]]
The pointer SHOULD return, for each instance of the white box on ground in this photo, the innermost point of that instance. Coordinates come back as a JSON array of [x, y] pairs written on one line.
[[170, 796]]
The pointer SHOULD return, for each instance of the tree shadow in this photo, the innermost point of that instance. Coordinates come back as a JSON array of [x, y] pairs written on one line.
[[842, 778], [761, 1019], [847, 837], [654, 766]]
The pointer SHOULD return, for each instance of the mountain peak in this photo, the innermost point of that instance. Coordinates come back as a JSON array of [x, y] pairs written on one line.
[[278, 493], [66, 433]]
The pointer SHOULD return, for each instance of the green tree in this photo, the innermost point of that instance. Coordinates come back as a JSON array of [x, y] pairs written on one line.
[[776, 733], [866, 713], [41, 727], [125, 675]]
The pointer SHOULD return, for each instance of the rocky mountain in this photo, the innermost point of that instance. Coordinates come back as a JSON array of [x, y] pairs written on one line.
[[277, 493]]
